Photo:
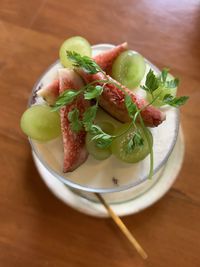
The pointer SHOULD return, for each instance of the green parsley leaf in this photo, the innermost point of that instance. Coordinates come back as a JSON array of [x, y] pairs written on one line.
[[89, 116], [151, 83], [138, 140], [164, 74], [163, 83], [168, 84], [175, 101], [88, 64], [102, 139], [172, 83], [75, 123], [130, 146], [131, 107], [93, 92], [65, 98], [135, 142], [95, 129]]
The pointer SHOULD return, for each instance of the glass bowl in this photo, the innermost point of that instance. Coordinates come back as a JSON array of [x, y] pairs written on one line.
[[118, 181]]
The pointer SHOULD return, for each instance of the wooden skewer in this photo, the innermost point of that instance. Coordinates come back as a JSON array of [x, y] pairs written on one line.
[[123, 227]]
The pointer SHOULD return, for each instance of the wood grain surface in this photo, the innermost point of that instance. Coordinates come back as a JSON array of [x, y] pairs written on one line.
[[36, 229]]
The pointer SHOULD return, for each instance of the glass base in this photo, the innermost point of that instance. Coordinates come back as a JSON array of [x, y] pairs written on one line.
[[123, 203]]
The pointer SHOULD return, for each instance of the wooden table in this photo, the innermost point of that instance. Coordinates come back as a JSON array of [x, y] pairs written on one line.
[[36, 229]]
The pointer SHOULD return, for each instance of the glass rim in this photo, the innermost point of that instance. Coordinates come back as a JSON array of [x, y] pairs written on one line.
[[85, 188]]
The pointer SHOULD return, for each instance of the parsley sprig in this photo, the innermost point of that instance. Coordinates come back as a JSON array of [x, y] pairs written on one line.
[[103, 140], [84, 62], [93, 92], [154, 82], [131, 107], [66, 98], [89, 117], [134, 142], [75, 123], [90, 91], [175, 101]]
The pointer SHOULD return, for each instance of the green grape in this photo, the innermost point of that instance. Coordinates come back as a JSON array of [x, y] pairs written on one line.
[[77, 44], [40, 123], [129, 69], [119, 144], [104, 117], [92, 148]]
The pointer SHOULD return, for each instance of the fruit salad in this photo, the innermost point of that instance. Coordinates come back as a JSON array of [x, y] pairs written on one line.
[[94, 104]]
